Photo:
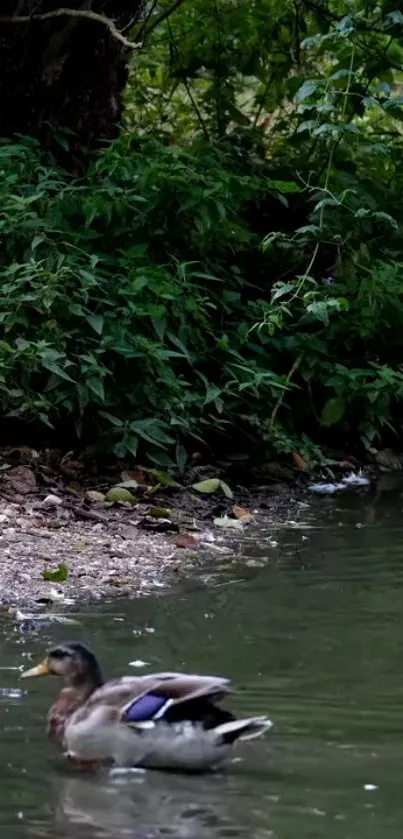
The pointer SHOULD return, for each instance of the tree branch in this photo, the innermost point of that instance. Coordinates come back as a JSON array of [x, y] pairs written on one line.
[[84, 15], [149, 14]]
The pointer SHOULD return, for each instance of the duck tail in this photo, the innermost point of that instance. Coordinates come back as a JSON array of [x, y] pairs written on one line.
[[249, 729]]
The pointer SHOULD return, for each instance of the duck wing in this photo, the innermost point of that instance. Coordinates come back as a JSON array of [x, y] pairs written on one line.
[[138, 699], [173, 692]]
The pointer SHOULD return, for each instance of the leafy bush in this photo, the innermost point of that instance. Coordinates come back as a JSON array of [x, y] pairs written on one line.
[[107, 316], [231, 267]]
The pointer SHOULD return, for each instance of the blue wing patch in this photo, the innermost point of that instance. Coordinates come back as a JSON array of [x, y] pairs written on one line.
[[144, 708]]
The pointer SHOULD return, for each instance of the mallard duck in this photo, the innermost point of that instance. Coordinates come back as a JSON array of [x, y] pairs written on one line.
[[161, 720]]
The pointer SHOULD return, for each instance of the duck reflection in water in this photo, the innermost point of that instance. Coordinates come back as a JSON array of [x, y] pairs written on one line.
[[134, 805]]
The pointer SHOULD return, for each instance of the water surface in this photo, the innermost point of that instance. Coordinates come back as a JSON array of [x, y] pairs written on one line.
[[311, 632]]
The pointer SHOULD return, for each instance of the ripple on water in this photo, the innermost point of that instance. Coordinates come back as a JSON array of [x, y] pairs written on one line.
[[311, 633]]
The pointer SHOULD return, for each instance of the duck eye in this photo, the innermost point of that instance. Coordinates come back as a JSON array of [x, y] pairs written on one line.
[[59, 654]]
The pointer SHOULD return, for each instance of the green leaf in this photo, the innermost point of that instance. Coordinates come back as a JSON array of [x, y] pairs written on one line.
[[284, 186], [307, 89], [57, 370], [211, 485], [118, 494], [319, 310], [394, 18], [181, 456], [130, 444], [152, 431], [57, 575], [306, 125], [116, 421], [97, 323], [36, 241], [97, 387], [162, 478], [226, 490], [208, 486], [333, 411]]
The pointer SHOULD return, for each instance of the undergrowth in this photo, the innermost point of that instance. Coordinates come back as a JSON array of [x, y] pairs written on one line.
[[235, 283]]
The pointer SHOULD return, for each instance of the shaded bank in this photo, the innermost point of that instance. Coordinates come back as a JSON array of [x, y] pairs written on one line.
[[61, 548]]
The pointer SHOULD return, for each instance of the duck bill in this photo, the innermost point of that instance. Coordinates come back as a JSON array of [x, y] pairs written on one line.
[[41, 669]]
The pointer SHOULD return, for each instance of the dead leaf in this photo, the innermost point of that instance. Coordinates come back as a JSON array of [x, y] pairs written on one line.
[[137, 475], [231, 524], [20, 453], [70, 467], [185, 540], [20, 479], [242, 514], [94, 495], [300, 463], [129, 484]]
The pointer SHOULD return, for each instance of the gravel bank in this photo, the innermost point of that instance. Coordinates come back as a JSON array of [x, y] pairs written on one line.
[[103, 560], [69, 544]]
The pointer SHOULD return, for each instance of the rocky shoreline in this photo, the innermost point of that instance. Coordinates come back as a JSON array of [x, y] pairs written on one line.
[[63, 544], [71, 533]]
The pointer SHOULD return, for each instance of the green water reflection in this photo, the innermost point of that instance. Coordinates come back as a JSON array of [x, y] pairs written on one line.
[[310, 630]]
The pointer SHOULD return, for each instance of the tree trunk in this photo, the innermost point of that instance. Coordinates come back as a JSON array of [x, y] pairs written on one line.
[[63, 72]]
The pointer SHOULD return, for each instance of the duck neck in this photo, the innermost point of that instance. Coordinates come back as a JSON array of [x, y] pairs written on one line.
[[84, 684]]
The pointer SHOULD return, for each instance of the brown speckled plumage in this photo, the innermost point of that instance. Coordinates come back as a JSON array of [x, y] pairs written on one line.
[[169, 720], [66, 704]]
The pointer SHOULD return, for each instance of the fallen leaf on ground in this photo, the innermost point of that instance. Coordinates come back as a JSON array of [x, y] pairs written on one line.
[[21, 453], [94, 495], [130, 483], [226, 490], [242, 514], [208, 486], [300, 463], [212, 485], [185, 540], [225, 521], [51, 501], [56, 575], [158, 512], [137, 475], [20, 479], [162, 478], [116, 494]]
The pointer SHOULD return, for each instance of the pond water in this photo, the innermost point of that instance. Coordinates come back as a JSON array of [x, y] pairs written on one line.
[[311, 630]]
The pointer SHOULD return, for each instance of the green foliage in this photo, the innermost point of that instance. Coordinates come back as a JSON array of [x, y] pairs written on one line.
[[233, 263], [108, 317]]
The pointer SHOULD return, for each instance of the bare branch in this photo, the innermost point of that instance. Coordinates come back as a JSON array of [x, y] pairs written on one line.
[[149, 14], [77, 13]]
